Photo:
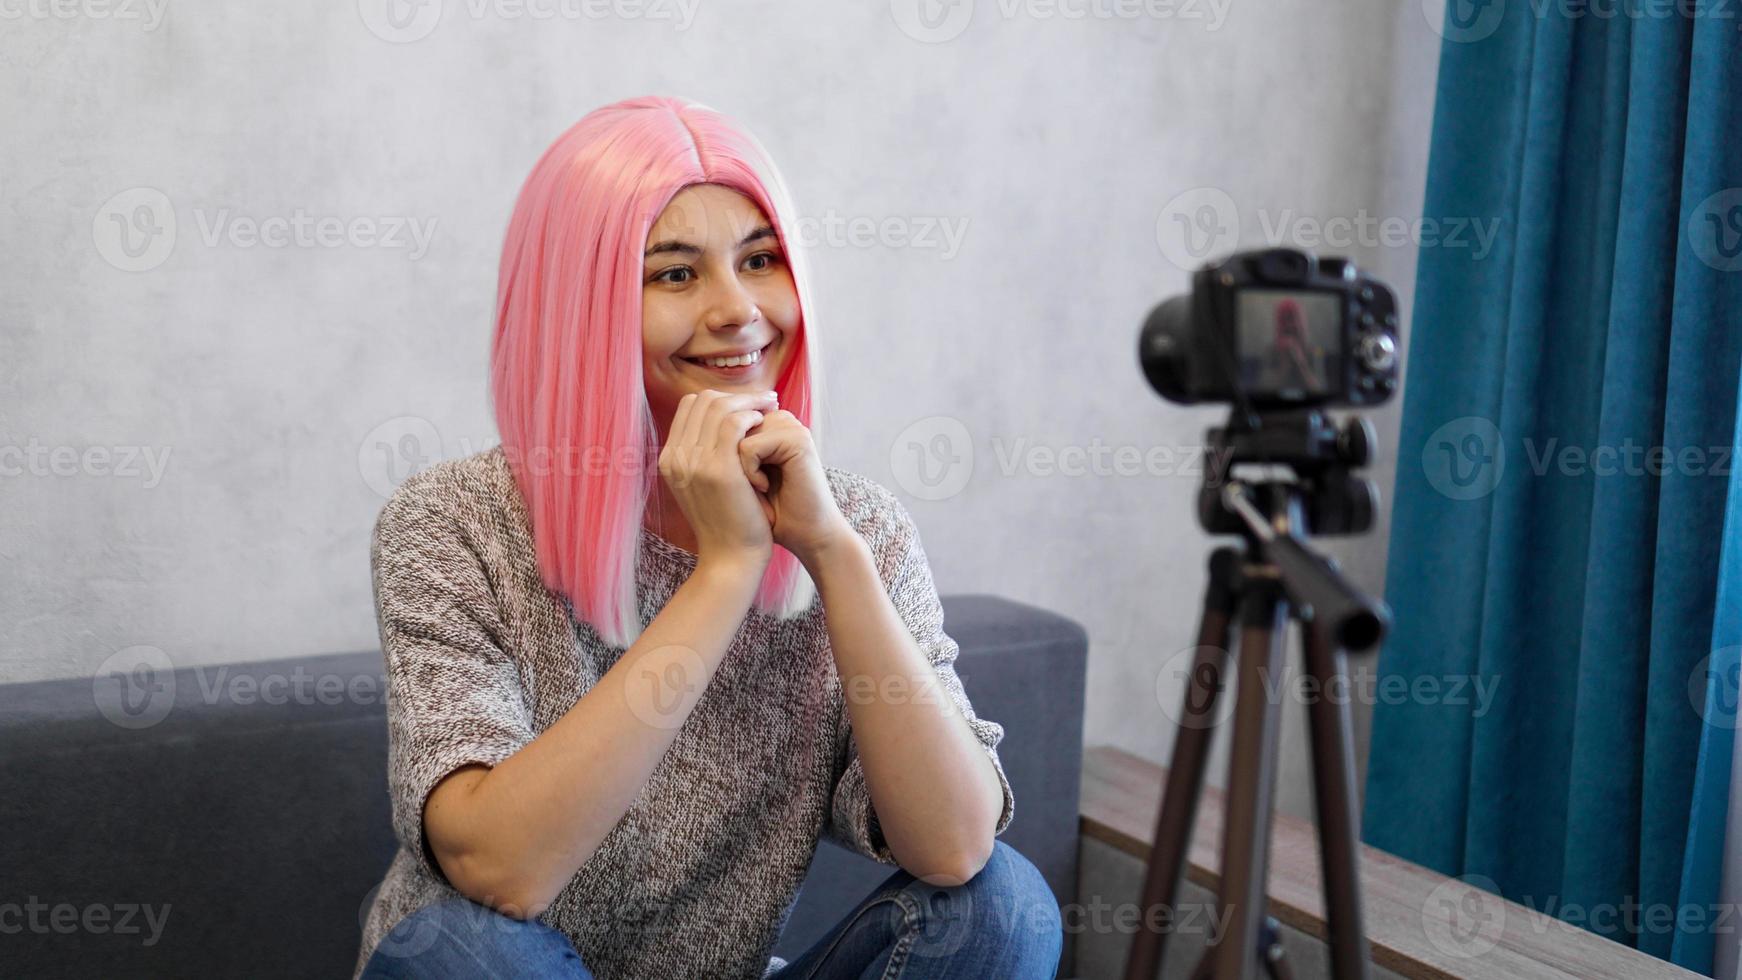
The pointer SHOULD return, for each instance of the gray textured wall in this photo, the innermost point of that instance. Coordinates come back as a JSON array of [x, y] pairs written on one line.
[[1017, 181]]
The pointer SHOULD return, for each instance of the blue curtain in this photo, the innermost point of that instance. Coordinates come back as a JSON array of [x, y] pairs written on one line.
[[1565, 527]]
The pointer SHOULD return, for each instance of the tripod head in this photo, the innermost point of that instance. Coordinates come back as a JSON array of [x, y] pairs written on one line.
[[1319, 493]]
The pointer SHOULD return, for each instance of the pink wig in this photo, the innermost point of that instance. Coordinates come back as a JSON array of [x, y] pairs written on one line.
[[566, 368]]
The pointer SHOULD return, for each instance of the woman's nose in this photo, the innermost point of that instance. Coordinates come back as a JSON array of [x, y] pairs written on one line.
[[732, 306]]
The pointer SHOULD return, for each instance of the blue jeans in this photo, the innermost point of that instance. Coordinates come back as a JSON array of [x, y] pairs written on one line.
[[1003, 923]]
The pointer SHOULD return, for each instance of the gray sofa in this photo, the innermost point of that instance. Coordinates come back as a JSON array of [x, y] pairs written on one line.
[[241, 834]]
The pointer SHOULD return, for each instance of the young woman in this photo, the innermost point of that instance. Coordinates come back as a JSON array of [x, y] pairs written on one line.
[[641, 655]]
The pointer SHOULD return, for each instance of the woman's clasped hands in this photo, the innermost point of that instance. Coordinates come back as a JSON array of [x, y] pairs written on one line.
[[747, 476]]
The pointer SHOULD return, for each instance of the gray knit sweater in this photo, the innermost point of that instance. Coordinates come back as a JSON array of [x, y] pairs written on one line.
[[698, 877]]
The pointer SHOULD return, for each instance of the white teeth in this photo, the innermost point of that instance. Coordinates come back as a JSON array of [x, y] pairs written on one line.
[[742, 359]]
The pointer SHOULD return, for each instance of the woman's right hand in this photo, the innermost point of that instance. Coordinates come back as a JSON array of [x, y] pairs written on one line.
[[701, 465]]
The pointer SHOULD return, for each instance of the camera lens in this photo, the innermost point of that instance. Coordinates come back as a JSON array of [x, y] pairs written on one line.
[[1163, 349]]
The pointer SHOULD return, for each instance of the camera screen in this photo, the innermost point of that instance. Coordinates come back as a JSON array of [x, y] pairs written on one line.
[[1290, 343]]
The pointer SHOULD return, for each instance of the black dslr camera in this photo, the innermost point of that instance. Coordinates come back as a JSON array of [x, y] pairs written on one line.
[[1275, 329]]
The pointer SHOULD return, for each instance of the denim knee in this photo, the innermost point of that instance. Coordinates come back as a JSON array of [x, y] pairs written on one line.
[[460, 938], [1007, 905], [1013, 895]]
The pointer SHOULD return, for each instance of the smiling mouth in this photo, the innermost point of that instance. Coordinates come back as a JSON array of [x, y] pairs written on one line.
[[747, 360]]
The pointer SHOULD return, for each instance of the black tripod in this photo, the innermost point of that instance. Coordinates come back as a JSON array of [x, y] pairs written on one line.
[[1273, 578]]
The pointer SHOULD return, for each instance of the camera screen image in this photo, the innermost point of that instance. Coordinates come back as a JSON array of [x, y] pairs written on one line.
[[1289, 342]]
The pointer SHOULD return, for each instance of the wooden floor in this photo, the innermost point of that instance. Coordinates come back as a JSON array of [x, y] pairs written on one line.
[[1419, 923]]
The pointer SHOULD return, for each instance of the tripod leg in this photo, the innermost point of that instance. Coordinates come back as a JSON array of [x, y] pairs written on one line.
[[1334, 794], [1185, 773], [1251, 782]]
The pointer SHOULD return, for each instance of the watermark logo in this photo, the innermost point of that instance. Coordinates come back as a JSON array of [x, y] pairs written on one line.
[[1204, 222], [119, 462], [400, 21], [1464, 917], [404, 21], [945, 913], [941, 234], [1205, 682], [299, 229], [1715, 687], [1464, 21], [1468, 21], [1464, 458], [933, 458], [664, 684], [397, 450], [147, 13], [411, 936], [1715, 230], [134, 231], [932, 21], [1196, 225], [97, 919], [937, 21], [135, 688]]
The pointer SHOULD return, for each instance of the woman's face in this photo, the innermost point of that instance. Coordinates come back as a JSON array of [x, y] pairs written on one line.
[[715, 283]]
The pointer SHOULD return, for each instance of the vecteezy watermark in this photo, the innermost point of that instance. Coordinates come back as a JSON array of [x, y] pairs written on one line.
[[664, 684], [1197, 224], [920, 232], [1629, 915], [1465, 21], [1715, 230], [96, 918], [1464, 917], [397, 450], [1465, 458], [643, 916], [401, 447], [1715, 687], [148, 14], [937, 21], [136, 230], [1204, 673], [933, 459], [1097, 916], [404, 21], [926, 688], [135, 687], [119, 462]]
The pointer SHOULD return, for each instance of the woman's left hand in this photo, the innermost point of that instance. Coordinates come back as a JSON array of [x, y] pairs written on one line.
[[783, 466]]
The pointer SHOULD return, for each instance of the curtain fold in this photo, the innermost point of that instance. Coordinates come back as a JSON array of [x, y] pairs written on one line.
[[1563, 518]]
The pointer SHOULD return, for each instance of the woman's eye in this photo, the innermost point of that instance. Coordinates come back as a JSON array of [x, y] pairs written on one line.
[[671, 274]]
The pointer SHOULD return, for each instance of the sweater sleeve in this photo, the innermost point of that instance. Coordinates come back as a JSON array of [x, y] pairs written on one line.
[[454, 694], [907, 574]]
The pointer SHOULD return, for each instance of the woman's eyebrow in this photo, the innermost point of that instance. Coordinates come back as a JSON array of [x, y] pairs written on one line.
[[673, 245]]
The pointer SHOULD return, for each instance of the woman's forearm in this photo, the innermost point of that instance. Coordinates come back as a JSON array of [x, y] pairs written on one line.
[[528, 825], [936, 793]]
